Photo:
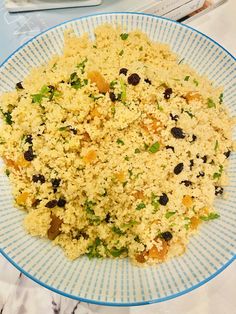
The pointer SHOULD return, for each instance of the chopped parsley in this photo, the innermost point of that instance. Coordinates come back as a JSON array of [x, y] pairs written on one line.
[[117, 252], [210, 103], [117, 230], [93, 249], [195, 82], [76, 82], [211, 216], [8, 117], [120, 142], [189, 113], [169, 214], [155, 201], [124, 36], [140, 206], [216, 145], [137, 151], [140, 48], [121, 52], [187, 78], [113, 84], [123, 91], [7, 172], [218, 174], [113, 111], [81, 65], [129, 224], [126, 158], [159, 107], [154, 148], [221, 98]]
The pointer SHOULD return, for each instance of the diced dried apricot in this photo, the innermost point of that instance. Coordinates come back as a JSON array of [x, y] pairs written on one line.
[[11, 163], [140, 258], [120, 176], [187, 201], [194, 222], [22, 198], [22, 163], [139, 195], [90, 157], [86, 137], [159, 254], [190, 96], [55, 225], [95, 113], [97, 78]]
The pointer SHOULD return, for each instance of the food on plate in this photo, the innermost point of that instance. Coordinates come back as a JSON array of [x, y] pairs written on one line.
[[116, 148]]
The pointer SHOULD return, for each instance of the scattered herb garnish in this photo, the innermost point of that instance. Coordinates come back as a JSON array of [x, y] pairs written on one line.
[[217, 175], [93, 249], [126, 158], [120, 142], [7, 172], [154, 148], [117, 252], [117, 230], [81, 65], [195, 82], [121, 52], [211, 216], [210, 103], [113, 111], [221, 98], [123, 90], [129, 224], [169, 214], [140, 206], [113, 84], [189, 113], [76, 82], [8, 117], [137, 151], [95, 97], [216, 145], [159, 107], [155, 201], [124, 36], [187, 78]]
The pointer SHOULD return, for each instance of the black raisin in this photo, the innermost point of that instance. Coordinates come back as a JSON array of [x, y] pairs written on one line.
[[227, 154], [204, 159], [201, 174], [168, 91], [177, 132], [51, 204], [170, 147], [134, 79], [148, 81], [29, 139], [163, 200], [123, 71], [54, 190], [112, 96], [61, 202], [56, 182], [179, 168], [29, 155], [186, 182], [191, 164], [219, 190], [19, 85], [167, 235], [51, 88], [74, 131], [39, 177], [174, 117], [108, 217], [194, 137]]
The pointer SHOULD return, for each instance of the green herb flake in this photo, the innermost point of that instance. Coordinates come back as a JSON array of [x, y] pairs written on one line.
[[8, 118], [117, 230], [7, 172], [140, 48], [169, 214], [129, 224], [187, 78], [124, 36], [121, 52], [94, 46], [120, 142], [81, 65], [181, 61], [88, 205], [93, 249], [140, 206], [137, 151], [155, 201], [113, 111], [189, 113], [221, 98], [159, 107], [195, 82], [37, 98], [211, 216], [95, 97], [218, 174], [210, 103], [123, 91], [154, 148], [113, 84], [124, 183], [117, 252], [216, 145], [126, 158], [63, 128]]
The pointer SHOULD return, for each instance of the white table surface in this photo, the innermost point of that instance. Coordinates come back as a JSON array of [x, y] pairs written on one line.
[[20, 295]]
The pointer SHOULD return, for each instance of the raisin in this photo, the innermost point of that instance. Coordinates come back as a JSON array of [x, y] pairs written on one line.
[[108, 217], [174, 117], [163, 200], [194, 137], [148, 81], [51, 88], [54, 229], [134, 79], [227, 154], [186, 182], [167, 235], [123, 71], [219, 190], [29, 139], [179, 168], [204, 159], [74, 131], [61, 202], [201, 174], [168, 91], [19, 85], [39, 177], [177, 132], [170, 147], [112, 96], [191, 164], [56, 182], [29, 155], [51, 204]]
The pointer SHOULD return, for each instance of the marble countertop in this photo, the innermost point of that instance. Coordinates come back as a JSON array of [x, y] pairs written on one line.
[[20, 295]]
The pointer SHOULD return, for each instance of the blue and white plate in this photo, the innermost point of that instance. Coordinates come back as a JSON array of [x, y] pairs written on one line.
[[118, 282]]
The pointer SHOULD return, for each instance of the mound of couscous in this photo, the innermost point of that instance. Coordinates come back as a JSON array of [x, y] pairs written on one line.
[[115, 148]]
